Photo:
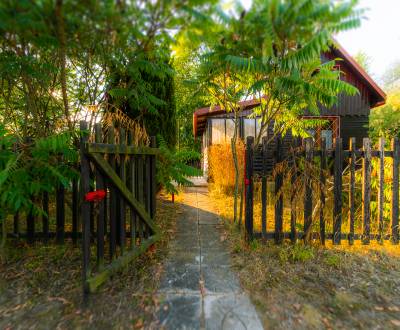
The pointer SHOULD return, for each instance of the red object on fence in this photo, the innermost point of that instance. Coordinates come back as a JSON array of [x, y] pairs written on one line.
[[95, 196], [173, 198]]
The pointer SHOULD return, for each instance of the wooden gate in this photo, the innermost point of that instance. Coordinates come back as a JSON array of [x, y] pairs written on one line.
[[118, 191]]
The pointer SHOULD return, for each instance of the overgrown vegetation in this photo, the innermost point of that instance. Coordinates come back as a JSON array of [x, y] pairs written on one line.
[[338, 287], [41, 286]]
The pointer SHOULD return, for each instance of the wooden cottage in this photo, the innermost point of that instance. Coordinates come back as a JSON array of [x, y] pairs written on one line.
[[348, 118]]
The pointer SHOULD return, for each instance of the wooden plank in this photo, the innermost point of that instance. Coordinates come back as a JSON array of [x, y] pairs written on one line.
[[153, 183], [249, 188], [45, 216], [85, 206], [60, 214], [113, 194], [352, 189], [337, 192], [75, 210], [132, 171], [264, 186], [30, 227], [395, 191], [278, 192], [122, 205], [107, 170], [322, 189], [381, 187], [100, 185], [293, 212], [16, 224], [103, 148], [366, 190], [140, 194], [93, 283], [309, 146]]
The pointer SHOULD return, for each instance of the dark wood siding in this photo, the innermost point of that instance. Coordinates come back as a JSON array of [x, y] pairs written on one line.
[[353, 126]]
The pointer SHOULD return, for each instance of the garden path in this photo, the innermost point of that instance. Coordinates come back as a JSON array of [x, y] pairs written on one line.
[[199, 290]]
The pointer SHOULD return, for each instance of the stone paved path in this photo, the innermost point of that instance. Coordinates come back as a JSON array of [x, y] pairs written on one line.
[[199, 289]]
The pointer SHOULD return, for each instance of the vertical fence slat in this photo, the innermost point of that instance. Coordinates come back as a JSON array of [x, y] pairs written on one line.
[[249, 188], [395, 191], [122, 204], [30, 227], [100, 185], [113, 197], [264, 187], [153, 182], [45, 216], [352, 189], [75, 211], [16, 224], [308, 189], [322, 189], [366, 191], [140, 193], [293, 179], [85, 205], [278, 193], [381, 180], [132, 171], [60, 214], [337, 190]]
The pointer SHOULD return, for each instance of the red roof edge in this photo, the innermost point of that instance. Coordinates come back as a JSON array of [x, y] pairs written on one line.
[[363, 74]]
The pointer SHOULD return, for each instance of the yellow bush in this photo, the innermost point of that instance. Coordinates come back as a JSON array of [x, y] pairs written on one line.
[[221, 169]]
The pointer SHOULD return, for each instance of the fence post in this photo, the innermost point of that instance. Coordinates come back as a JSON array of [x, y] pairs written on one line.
[[322, 187], [381, 178], [60, 214], [75, 210], [113, 197], [45, 216], [308, 189], [395, 191], [132, 171], [293, 179], [264, 187], [337, 191], [122, 206], [100, 185], [366, 190], [249, 187], [278, 190], [153, 184], [85, 205], [352, 188]]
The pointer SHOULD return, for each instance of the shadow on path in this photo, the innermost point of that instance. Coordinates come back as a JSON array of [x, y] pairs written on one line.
[[199, 290]]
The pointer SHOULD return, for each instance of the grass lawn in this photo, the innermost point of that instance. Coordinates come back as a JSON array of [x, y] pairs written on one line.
[[295, 286], [40, 286]]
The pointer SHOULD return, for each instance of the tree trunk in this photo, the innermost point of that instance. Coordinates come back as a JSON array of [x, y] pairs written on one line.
[[236, 164], [63, 55]]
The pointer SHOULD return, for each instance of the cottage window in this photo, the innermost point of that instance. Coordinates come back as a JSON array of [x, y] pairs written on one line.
[[217, 130]]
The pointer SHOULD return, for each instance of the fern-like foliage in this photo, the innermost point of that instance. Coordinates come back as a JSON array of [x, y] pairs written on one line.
[[172, 166]]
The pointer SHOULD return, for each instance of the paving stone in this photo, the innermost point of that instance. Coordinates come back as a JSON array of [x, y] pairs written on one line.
[[197, 252], [220, 279], [180, 277], [180, 312], [230, 312], [216, 258]]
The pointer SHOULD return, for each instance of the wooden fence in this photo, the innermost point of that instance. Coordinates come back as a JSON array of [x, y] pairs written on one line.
[[313, 168], [111, 208]]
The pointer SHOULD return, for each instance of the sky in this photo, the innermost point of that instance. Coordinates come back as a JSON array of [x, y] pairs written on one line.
[[378, 36]]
